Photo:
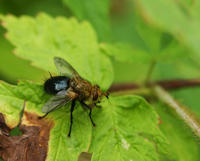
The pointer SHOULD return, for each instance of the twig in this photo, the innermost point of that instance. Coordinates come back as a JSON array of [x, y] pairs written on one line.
[[175, 84], [167, 84], [123, 87], [180, 110]]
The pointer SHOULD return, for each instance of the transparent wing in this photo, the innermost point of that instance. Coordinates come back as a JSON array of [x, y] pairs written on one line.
[[64, 67], [56, 102]]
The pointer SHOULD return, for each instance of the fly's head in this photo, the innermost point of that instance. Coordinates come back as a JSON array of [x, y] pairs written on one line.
[[97, 94]]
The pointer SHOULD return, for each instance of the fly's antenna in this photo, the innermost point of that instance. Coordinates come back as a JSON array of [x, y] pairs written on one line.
[[106, 94], [50, 75]]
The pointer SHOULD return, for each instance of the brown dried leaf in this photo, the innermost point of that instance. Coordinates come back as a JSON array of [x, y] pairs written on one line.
[[32, 145]]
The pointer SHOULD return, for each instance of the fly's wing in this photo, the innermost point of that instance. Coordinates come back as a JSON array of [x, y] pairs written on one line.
[[56, 102], [64, 67]]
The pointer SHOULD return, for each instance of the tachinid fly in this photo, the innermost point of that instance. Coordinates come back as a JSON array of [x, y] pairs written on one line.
[[70, 87]]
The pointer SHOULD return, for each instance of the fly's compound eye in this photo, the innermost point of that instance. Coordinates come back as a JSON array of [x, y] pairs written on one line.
[[95, 96]]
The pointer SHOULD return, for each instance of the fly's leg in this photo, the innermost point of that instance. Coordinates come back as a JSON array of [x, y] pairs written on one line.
[[97, 105], [71, 117], [90, 113], [107, 94]]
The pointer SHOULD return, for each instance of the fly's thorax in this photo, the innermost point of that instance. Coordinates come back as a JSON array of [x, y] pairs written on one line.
[[81, 87]]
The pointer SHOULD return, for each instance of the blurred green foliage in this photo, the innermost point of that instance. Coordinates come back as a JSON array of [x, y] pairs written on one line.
[[96, 12], [134, 33]]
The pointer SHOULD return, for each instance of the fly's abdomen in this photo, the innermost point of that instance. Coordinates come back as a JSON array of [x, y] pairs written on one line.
[[56, 84]]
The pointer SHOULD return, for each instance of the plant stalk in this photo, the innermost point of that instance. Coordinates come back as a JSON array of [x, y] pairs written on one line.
[[182, 111], [166, 84], [149, 73]]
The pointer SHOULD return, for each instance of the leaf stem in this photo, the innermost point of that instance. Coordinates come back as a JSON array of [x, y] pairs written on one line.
[[149, 73], [182, 111]]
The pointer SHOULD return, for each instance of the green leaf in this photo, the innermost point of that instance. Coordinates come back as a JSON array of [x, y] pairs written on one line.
[[129, 72], [47, 37], [12, 99], [10, 106], [127, 60], [13, 68], [96, 12], [54, 8], [125, 53], [127, 129], [125, 126], [182, 143], [61, 148]]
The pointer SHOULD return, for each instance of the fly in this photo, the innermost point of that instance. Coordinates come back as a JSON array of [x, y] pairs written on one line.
[[70, 87]]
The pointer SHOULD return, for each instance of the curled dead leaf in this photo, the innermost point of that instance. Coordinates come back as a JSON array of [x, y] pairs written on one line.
[[32, 145]]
